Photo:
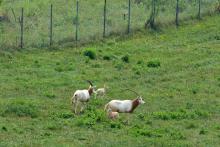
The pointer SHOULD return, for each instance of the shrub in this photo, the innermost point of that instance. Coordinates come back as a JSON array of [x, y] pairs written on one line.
[[66, 115], [141, 116], [53, 126], [217, 127], [177, 135], [4, 128], [147, 132], [140, 62], [178, 115], [62, 68], [106, 57], [202, 113], [191, 126], [217, 37], [90, 53], [116, 125], [96, 65], [203, 131], [138, 73], [36, 61], [6, 54], [50, 95], [125, 59], [153, 64], [119, 66], [58, 69]]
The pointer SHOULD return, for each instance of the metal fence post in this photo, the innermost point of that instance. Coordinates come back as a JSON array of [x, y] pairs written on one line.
[[104, 25], [21, 21], [51, 25], [77, 20], [129, 16], [199, 13], [177, 13]]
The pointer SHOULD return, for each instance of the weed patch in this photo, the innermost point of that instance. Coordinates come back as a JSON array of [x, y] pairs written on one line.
[[21, 109], [179, 115], [203, 131], [63, 115], [90, 53], [153, 64], [191, 126], [106, 57], [125, 59], [147, 132], [90, 118], [115, 125], [50, 95], [177, 135], [4, 129]]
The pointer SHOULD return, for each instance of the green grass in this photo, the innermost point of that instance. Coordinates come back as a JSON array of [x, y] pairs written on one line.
[[176, 71], [37, 17]]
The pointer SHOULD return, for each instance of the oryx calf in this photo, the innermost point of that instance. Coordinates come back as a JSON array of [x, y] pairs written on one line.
[[101, 91]]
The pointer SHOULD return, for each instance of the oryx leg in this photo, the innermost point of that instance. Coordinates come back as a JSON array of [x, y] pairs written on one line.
[[75, 106], [82, 106]]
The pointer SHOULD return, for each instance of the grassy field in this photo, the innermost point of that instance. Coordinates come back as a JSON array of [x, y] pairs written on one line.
[[37, 18], [176, 71]]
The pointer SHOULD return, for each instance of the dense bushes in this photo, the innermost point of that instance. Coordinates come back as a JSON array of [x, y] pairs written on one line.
[[125, 58], [153, 64], [90, 53]]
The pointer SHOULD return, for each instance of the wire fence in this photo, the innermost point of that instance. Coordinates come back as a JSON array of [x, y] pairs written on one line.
[[42, 23]]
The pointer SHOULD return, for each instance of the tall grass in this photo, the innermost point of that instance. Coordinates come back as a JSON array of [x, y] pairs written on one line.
[[37, 12]]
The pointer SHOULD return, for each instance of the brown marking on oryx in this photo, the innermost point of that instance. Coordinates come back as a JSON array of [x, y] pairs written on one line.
[[135, 103], [90, 90]]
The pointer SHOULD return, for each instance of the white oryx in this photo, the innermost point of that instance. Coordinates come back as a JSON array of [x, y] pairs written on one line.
[[124, 106], [82, 96]]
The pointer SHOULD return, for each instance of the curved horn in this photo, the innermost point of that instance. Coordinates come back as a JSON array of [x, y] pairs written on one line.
[[89, 82], [132, 91]]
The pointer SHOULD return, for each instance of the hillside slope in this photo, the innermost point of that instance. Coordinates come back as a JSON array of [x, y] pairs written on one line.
[[176, 71]]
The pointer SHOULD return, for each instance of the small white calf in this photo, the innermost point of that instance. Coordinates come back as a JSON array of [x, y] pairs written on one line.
[[112, 115], [100, 91]]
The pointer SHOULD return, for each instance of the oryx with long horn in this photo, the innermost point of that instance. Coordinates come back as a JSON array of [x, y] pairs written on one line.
[[82, 96], [124, 106]]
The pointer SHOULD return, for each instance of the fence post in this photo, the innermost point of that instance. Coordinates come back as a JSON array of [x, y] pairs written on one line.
[[51, 24], [129, 16], [21, 21], [177, 13], [104, 25], [77, 20], [199, 13]]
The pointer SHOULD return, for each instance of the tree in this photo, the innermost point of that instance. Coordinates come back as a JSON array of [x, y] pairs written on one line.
[[218, 6], [154, 11]]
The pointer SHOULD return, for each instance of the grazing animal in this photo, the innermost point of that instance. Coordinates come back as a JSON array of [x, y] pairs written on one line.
[[101, 91], [124, 106], [112, 115], [82, 96]]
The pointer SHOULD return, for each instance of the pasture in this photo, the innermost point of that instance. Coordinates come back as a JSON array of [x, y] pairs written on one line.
[[177, 72]]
